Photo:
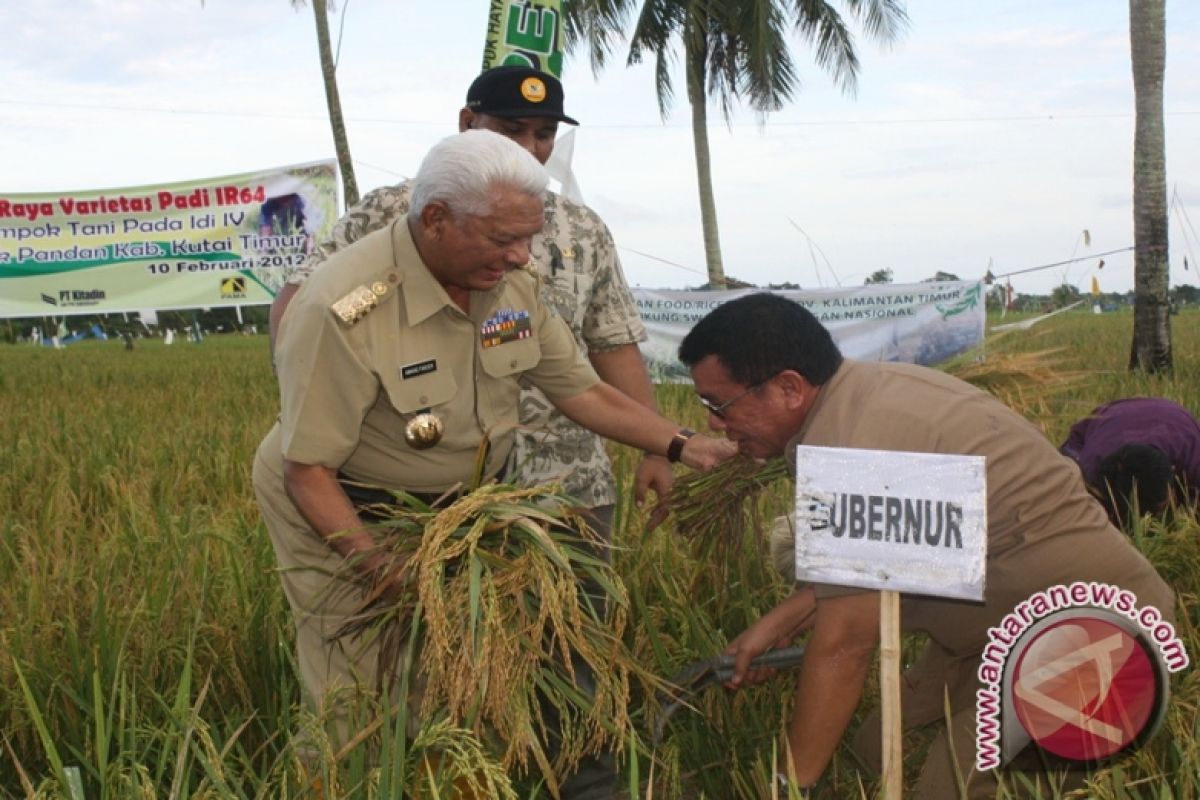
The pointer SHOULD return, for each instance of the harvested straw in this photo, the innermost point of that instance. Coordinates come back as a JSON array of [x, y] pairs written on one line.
[[712, 506], [511, 594], [728, 485], [1025, 382]]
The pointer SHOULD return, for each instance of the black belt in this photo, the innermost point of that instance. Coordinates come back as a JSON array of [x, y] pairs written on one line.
[[370, 502]]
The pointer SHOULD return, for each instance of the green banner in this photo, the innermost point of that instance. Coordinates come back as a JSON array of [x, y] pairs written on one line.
[[527, 33], [227, 241]]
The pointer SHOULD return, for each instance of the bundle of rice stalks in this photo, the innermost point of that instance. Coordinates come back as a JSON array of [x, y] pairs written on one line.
[[1025, 382], [713, 505], [510, 598]]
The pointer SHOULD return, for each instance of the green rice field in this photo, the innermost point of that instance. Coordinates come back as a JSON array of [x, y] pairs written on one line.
[[145, 644]]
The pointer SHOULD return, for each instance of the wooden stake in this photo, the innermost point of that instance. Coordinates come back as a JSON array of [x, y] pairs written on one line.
[[889, 703]]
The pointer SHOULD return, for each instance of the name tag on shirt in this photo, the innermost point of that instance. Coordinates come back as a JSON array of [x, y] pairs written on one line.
[[505, 326], [419, 368]]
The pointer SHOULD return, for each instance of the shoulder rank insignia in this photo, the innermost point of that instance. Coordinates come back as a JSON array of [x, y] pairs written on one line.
[[531, 268], [355, 305]]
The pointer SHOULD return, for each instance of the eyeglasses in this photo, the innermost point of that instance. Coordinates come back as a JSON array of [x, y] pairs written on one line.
[[718, 411]]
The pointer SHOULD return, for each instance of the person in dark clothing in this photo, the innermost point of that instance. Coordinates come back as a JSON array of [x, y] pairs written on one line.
[[1138, 454]]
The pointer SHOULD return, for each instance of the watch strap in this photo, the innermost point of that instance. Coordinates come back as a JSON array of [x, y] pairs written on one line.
[[675, 448]]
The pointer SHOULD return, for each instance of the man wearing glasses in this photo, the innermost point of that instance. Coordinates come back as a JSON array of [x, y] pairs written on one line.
[[772, 378], [718, 409]]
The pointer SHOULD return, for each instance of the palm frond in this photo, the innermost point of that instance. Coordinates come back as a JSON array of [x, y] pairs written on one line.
[[883, 20], [818, 23], [767, 75], [598, 23]]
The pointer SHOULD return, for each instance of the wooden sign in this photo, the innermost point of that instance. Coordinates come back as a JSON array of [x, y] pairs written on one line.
[[892, 521]]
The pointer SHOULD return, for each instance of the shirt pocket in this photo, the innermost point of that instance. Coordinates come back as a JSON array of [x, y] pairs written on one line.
[[431, 390], [502, 368], [510, 359]]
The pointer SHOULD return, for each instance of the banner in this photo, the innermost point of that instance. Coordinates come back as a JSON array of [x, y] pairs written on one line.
[[525, 33], [919, 323], [227, 241]]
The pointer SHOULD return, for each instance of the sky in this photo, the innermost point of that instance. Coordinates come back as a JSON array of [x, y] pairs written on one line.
[[993, 134]]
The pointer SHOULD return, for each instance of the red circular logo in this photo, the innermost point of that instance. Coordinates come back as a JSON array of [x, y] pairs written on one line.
[[1084, 688]]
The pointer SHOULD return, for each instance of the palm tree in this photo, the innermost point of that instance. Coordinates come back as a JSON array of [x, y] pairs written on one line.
[[732, 50], [1151, 348], [329, 72]]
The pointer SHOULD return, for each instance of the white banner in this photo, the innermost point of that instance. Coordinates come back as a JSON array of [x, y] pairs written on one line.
[[919, 323], [889, 520], [227, 241]]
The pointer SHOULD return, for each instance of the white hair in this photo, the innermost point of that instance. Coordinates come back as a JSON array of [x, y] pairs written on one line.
[[461, 170]]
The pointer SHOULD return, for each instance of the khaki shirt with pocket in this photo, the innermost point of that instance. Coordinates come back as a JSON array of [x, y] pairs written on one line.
[[582, 280], [1044, 529], [349, 389]]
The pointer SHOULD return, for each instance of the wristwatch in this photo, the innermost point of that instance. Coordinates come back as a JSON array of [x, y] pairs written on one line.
[[675, 448]]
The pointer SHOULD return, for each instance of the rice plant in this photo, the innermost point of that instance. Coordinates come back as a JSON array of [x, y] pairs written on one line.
[[146, 648]]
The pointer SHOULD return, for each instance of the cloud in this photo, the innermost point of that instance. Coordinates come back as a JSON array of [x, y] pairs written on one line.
[[998, 131]]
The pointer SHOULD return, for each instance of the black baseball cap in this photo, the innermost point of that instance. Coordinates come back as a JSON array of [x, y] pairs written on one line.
[[517, 92]]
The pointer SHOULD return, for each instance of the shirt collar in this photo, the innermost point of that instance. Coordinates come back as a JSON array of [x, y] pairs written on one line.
[[424, 296]]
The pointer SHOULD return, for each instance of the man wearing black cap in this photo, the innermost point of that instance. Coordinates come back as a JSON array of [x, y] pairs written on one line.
[[581, 279], [521, 103]]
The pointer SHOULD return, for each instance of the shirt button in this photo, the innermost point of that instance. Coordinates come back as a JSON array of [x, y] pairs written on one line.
[[513, 364], [423, 400]]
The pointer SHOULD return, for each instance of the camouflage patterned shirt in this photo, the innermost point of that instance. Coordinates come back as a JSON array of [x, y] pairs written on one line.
[[581, 281]]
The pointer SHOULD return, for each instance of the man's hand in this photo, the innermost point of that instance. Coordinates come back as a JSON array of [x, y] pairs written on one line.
[[320, 499], [749, 645], [605, 410], [653, 474], [387, 577], [840, 651], [704, 452], [777, 628]]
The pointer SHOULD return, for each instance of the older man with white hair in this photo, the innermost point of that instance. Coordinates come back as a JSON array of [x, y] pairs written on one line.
[[397, 365]]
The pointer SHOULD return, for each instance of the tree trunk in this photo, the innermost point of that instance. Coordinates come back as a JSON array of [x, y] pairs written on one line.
[[329, 73], [694, 53], [1151, 349]]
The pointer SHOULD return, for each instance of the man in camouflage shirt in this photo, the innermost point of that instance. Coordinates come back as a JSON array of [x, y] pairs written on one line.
[[581, 280]]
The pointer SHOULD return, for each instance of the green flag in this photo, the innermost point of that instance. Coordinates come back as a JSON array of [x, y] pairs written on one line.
[[526, 33]]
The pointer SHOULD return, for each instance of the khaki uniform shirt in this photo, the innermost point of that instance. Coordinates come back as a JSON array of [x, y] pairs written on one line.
[[582, 281], [1044, 529], [348, 390]]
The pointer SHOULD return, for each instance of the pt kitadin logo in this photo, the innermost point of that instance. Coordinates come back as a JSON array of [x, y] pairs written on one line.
[[75, 297], [233, 287]]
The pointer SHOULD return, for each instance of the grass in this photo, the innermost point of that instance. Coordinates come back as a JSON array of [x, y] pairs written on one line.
[[145, 646]]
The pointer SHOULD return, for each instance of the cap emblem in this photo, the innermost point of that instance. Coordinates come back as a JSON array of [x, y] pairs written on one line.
[[533, 90]]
